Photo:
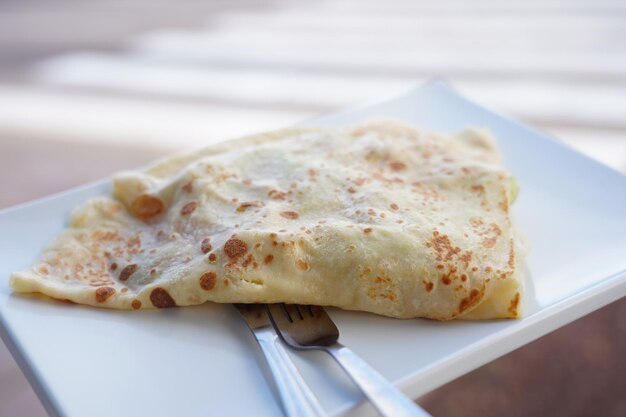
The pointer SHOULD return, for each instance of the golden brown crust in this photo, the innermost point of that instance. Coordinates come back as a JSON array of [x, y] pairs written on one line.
[[147, 207]]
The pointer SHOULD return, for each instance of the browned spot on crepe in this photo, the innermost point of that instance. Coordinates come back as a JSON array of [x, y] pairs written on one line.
[[292, 215], [470, 301], [277, 195], [466, 258], [397, 166], [189, 208], [441, 245], [103, 293], [188, 187], [302, 264], [235, 248], [243, 206], [492, 235], [147, 207], [205, 246], [127, 272], [160, 298], [514, 304], [511, 261], [208, 280]]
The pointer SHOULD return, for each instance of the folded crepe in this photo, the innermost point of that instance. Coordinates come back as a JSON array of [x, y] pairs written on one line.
[[378, 217]]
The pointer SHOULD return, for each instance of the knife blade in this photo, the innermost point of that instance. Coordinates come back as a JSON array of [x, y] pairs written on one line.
[[296, 397]]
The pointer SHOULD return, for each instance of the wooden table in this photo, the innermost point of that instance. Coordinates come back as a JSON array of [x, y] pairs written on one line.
[[91, 87]]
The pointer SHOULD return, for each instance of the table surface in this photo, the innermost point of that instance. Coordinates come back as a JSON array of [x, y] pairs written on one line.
[[107, 85]]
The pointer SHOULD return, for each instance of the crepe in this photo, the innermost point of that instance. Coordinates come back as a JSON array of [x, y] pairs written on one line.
[[378, 217]]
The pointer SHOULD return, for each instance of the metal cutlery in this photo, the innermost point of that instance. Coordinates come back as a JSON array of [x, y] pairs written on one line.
[[296, 397], [310, 327]]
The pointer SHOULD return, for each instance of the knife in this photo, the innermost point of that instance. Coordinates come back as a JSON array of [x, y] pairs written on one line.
[[297, 398]]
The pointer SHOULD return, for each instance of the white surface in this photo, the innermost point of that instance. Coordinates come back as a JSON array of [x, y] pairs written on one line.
[[202, 360]]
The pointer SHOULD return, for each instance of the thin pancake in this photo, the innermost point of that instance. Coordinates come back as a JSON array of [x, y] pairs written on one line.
[[379, 217]]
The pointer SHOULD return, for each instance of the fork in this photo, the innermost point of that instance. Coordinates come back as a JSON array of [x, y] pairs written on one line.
[[310, 327], [295, 395]]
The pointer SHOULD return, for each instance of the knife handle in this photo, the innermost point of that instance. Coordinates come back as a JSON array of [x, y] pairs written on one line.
[[296, 396]]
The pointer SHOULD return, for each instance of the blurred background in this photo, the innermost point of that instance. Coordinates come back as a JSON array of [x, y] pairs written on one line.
[[88, 87]]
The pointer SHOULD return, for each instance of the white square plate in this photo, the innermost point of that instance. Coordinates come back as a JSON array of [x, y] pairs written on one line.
[[201, 361]]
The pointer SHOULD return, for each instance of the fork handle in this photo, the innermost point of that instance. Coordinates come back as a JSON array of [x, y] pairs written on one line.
[[387, 399], [296, 397]]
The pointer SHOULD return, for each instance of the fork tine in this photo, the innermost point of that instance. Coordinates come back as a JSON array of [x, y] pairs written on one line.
[[297, 308], [283, 307]]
